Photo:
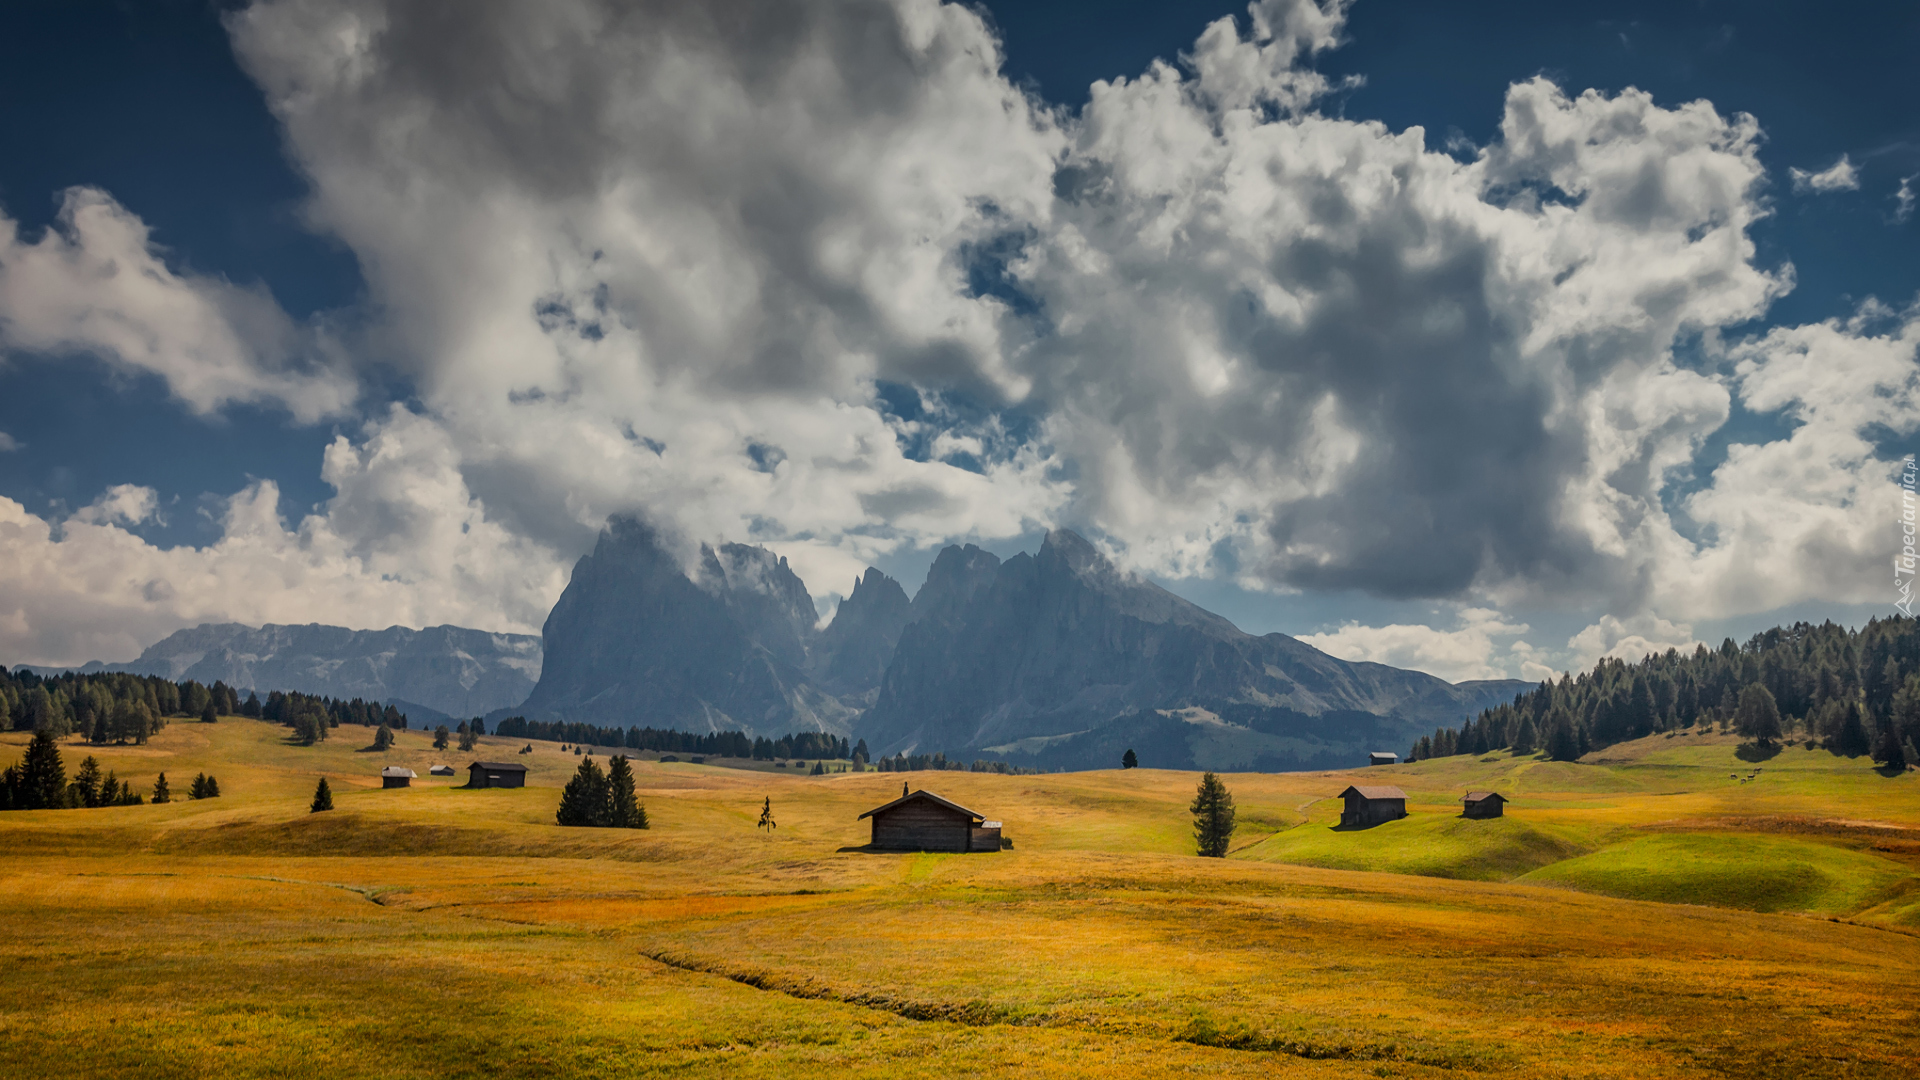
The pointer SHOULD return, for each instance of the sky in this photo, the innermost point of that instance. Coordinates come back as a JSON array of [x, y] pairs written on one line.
[[1487, 340]]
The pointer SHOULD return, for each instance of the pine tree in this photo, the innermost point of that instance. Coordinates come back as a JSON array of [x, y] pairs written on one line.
[[584, 801], [1525, 738], [160, 792], [1129, 760], [383, 738], [625, 811], [1212, 816], [1562, 743], [1887, 752], [110, 790], [440, 737], [1850, 736], [86, 782], [322, 797], [208, 715], [766, 815], [198, 789], [43, 778], [213, 788]]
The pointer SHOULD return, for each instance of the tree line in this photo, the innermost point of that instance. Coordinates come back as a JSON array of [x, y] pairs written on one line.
[[1855, 692], [939, 762], [39, 782], [802, 744]]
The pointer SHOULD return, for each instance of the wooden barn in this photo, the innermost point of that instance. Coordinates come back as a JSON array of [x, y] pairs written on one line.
[[1382, 757], [496, 774], [395, 776], [1484, 804], [440, 770], [923, 821], [1373, 805]]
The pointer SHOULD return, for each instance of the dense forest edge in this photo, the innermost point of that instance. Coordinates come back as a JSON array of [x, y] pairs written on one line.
[[1854, 692]]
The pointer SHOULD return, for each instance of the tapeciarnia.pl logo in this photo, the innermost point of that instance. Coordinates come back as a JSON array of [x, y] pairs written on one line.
[[1903, 563]]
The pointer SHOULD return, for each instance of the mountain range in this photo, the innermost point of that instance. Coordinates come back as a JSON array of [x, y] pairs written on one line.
[[432, 674], [1054, 659]]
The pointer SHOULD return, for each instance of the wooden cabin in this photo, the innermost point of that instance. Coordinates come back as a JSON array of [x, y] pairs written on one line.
[[1381, 757], [496, 774], [1484, 804], [1373, 805], [395, 776], [440, 770], [923, 821]]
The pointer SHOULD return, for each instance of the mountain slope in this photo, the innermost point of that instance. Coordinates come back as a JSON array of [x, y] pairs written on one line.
[[1031, 657], [447, 669], [635, 640]]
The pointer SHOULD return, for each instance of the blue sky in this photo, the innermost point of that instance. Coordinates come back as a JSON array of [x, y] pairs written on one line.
[[181, 114]]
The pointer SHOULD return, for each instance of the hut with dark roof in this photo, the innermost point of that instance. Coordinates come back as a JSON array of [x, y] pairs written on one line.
[[1383, 757], [1484, 804], [1372, 804], [496, 774], [923, 821], [395, 776]]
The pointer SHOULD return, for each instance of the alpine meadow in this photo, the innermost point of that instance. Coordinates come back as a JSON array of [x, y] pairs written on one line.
[[681, 539]]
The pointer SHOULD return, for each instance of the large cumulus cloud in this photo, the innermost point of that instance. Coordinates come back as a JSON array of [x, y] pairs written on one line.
[[691, 258]]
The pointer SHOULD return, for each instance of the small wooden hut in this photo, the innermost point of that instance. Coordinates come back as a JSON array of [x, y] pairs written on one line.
[[440, 770], [496, 774], [1483, 804], [1382, 757], [395, 776], [1373, 805], [923, 821]]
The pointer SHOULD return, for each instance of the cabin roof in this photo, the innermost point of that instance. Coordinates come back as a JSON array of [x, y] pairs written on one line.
[[395, 770], [500, 766], [1374, 791], [1382, 753], [1482, 796], [929, 796]]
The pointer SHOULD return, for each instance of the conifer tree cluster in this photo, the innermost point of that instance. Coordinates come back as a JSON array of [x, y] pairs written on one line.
[[39, 782], [1212, 817], [1854, 692], [204, 787], [594, 799]]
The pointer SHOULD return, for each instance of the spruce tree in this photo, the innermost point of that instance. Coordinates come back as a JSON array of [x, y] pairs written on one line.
[[110, 790], [322, 797], [198, 790], [86, 782], [1212, 816], [1525, 738], [440, 737], [625, 811], [1887, 752], [1850, 738], [383, 738], [208, 715], [43, 778], [160, 792], [1129, 760], [1562, 743], [584, 801], [213, 788], [766, 816]]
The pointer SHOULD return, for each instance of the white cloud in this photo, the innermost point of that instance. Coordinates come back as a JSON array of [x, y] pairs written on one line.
[[1840, 176], [95, 284], [1470, 651], [121, 504], [1630, 639], [8, 443], [1903, 199]]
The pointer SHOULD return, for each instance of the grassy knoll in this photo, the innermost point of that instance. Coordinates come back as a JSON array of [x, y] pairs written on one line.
[[442, 932]]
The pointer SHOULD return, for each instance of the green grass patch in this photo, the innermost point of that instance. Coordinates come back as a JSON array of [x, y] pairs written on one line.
[[1496, 849], [1758, 873]]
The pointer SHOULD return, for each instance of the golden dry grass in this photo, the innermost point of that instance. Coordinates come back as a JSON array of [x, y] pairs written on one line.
[[441, 932]]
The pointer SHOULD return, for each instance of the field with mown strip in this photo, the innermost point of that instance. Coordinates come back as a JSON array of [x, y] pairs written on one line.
[[1656, 915]]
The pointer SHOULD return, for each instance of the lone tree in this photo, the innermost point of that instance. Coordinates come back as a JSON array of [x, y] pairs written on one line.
[[322, 797], [1758, 716], [208, 715], [1212, 816], [766, 816], [160, 792], [383, 738], [1129, 760], [440, 737]]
